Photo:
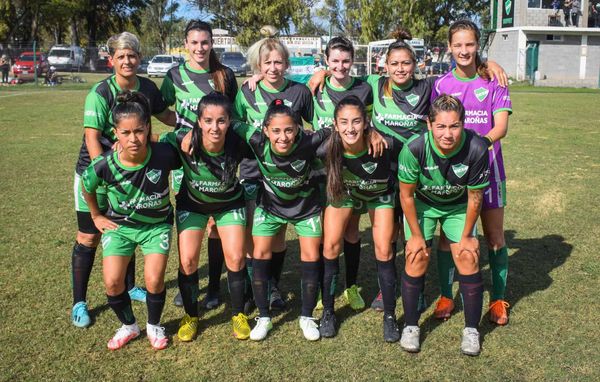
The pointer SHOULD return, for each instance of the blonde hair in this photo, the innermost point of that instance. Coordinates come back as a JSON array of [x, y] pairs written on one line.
[[124, 40], [260, 49]]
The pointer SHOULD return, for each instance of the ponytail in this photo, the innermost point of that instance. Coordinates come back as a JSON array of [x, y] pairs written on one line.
[[400, 34]]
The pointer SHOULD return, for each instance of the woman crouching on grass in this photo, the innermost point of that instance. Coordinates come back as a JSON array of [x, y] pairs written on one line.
[[136, 177], [355, 177], [443, 173], [284, 155], [210, 188]]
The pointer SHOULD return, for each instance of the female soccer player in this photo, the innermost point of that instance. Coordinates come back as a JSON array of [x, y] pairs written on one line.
[[339, 56], [284, 155], [184, 86], [487, 106], [354, 176], [136, 178], [270, 58], [447, 169], [210, 188], [124, 50]]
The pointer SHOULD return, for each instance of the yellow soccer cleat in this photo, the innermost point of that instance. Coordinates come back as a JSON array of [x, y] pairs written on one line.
[[241, 329], [188, 328]]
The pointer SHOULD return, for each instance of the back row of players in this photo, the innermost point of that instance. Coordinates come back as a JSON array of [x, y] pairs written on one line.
[[446, 156]]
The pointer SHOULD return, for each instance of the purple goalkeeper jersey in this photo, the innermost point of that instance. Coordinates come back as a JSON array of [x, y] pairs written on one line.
[[482, 99]]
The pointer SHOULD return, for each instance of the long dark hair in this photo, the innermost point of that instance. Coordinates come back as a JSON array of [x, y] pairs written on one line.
[[468, 25], [217, 69], [231, 148], [335, 151], [132, 103], [400, 34]]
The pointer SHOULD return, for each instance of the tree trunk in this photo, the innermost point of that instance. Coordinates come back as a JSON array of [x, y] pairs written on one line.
[[92, 50], [74, 32]]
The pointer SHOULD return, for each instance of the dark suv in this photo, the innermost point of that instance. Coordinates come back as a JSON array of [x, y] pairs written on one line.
[[236, 61]]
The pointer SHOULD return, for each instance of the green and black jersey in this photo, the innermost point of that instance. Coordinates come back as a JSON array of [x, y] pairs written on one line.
[[184, 87], [136, 195], [251, 106], [326, 100], [286, 192], [98, 112], [404, 113], [205, 188], [442, 180], [366, 178]]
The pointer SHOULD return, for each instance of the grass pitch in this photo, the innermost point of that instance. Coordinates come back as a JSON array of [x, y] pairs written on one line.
[[553, 167]]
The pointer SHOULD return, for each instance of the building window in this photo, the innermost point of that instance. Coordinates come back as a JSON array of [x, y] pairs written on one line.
[[540, 4], [554, 37]]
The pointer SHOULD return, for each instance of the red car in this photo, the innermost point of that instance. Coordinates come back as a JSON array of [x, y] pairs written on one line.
[[23, 66]]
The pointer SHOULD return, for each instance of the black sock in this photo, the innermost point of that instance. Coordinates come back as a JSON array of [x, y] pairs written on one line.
[[260, 285], [249, 295], [82, 261], [310, 287], [121, 305], [188, 286], [130, 274], [321, 267], [215, 265], [277, 265], [471, 289], [330, 278], [236, 281], [352, 261], [412, 288], [155, 302], [386, 274]]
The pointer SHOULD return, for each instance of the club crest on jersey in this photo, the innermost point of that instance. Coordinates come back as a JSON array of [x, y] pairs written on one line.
[[460, 169], [481, 93], [413, 99], [223, 166], [182, 215], [211, 83], [287, 103], [369, 167], [298, 165], [154, 175]]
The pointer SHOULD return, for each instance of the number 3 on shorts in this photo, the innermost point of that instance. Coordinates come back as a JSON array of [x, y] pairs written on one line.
[[164, 241]]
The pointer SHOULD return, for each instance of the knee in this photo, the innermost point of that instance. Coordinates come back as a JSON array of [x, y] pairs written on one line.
[[235, 263], [331, 250], [416, 264], [88, 239], [495, 239], [383, 251], [467, 263], [155, 283], [188, 264], [352, 235], [114, 286]]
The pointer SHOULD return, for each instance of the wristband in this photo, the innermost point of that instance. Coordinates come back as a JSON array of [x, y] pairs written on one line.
[[489, 141]]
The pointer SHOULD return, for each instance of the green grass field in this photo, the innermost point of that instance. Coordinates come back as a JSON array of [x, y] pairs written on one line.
[[552, 230]]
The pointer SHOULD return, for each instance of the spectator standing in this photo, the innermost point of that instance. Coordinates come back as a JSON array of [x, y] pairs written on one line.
[[567, 11], [575, 10], [4, 67]]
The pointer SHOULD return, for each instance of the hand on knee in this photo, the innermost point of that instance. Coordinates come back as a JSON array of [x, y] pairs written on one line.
[[416, 264], [87, 239]]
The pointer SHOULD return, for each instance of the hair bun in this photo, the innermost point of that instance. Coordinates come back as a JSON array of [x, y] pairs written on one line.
[[268, 31], [401, 33], [126, 96]]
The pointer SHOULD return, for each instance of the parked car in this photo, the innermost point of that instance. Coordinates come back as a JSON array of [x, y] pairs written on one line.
[[236, 62], [143, 68], [66, 58], [440, 67], [24, 65], [160, 65]]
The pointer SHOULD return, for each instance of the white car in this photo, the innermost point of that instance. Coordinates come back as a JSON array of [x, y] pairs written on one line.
[[160, 65]]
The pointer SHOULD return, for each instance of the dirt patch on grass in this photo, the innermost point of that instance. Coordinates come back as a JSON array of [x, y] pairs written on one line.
[[551, 202]]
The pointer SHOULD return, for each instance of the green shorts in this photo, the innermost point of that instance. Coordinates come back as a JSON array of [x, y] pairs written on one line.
[[176, 179], [360, 206], [452, 220], [187, 220], [266, 224], [81, 204], [250, 189], [152, 238]]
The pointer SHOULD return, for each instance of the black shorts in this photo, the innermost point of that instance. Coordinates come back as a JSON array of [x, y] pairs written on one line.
[[85, 224]]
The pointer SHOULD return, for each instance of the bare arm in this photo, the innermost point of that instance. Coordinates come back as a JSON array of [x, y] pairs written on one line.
[[92, 142], [468, 242], [416, 243], [500, 127], [100, 221], [496, 71], [168, 117], [317, 80]]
